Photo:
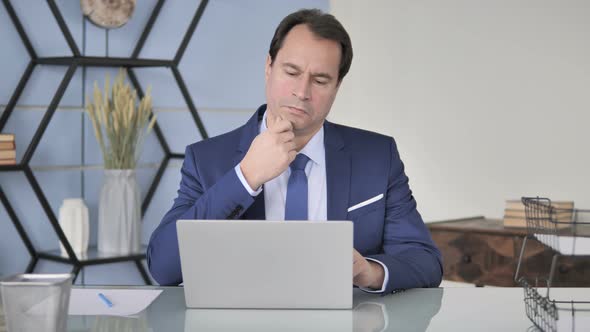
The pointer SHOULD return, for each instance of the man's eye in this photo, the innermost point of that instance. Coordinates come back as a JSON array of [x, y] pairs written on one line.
[[290, 73], [321, 82]]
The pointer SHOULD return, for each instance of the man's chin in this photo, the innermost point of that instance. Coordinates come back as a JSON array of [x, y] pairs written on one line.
[[295, 121], [305, 128], [301, 123]]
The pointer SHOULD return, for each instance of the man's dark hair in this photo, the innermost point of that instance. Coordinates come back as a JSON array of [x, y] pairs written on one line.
[[322, 25]]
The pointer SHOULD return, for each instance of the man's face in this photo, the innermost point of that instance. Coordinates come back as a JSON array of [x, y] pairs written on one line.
[[302, 82]]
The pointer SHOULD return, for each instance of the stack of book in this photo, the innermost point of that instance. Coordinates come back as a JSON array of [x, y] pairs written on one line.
[[7, 149], [514, 214]]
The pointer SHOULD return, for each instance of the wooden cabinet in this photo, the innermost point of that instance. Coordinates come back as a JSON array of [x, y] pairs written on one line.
[[483, 252]]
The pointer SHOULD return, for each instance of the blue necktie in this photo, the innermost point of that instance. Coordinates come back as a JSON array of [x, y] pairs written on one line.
[[296, 203]]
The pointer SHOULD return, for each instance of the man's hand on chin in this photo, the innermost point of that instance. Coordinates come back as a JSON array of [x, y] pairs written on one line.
[[366, 273]]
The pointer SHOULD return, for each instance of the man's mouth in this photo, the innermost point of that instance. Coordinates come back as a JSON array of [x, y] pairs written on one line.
[[296, 110]]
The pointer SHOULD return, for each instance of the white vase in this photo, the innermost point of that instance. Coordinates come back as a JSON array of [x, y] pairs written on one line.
[[119, 213], [73, 219]]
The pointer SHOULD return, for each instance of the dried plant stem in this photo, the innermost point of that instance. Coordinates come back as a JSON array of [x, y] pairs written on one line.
[[119, 126]]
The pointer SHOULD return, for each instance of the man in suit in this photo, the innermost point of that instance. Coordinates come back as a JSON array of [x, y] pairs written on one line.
[[288, 162]]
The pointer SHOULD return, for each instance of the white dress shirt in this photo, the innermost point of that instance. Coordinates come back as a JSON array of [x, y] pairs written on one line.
[[276, 189]]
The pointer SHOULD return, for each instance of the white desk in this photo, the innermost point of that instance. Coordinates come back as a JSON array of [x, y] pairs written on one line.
[[438, 309]]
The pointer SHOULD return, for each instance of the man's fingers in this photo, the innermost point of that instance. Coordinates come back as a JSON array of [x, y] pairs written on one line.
[[282, 126], [356, 256], [292, 155], [357, 263], [291, 147], [356, 269], [286, 136], [277, 124]]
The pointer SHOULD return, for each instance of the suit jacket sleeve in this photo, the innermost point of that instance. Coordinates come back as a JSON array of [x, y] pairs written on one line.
[[225, 199], [411, 257]]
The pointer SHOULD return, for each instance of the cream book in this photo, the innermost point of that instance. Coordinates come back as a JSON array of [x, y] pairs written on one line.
[[518, 205], [560, 214], [7, 145], [7, 154], [6, 137], [515, 216], [521, 223]]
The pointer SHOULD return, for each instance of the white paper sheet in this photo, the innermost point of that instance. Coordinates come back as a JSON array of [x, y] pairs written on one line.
[[126, 302]]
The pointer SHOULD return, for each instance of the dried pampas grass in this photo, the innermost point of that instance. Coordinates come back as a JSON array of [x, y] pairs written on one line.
[[119, 126]]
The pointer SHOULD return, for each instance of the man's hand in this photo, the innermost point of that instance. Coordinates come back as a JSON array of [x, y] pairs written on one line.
[[365, 273], [270, 154]]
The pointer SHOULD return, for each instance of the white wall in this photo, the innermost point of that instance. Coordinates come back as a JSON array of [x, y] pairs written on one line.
[[488, 100]]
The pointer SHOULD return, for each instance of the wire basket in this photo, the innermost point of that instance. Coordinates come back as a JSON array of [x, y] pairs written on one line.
[[558, 229], [551, 225], [545, 313]]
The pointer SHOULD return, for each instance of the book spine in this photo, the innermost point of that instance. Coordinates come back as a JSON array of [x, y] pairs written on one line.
[[6, 137]]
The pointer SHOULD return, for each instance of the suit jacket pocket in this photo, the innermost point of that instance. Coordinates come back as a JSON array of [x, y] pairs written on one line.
[[360, 212]]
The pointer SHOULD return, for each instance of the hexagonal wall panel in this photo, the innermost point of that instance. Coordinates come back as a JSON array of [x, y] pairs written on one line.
[[73, 62]]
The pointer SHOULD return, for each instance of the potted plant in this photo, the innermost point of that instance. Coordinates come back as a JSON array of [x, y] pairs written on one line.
[[120, 126]]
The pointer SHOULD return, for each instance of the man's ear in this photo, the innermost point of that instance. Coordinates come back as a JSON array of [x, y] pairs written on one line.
[[267, 67]]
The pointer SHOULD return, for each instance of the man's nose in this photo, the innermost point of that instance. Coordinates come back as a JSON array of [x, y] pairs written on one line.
[[302, 89]]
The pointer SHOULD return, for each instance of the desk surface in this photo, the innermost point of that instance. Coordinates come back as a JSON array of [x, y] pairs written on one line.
[[436, 309]]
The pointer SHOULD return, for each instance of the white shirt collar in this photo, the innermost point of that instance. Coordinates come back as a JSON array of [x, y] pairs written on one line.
[[314, 149]]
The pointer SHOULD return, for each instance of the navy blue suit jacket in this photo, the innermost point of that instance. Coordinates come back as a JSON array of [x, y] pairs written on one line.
[[359, 165]]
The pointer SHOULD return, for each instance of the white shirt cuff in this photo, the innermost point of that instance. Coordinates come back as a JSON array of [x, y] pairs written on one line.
[[245, 183], [385, 278]]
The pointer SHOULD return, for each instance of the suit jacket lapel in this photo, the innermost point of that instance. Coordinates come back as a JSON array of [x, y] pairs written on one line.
[[249, 132], [338, 165]]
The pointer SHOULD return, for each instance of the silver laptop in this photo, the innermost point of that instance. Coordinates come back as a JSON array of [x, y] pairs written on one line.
[[266, 264]]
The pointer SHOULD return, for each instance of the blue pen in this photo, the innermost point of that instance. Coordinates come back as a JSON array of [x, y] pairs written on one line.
[[105, 300]]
